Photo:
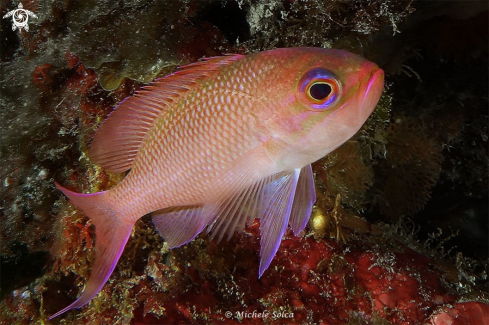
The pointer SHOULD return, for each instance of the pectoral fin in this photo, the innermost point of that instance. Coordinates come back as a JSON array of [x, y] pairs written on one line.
[[278, 200]]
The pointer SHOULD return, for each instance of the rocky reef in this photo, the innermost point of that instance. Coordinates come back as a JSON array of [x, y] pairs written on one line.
[[399, 233]]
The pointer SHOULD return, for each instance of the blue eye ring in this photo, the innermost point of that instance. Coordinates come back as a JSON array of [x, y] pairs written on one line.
[[319, 89]]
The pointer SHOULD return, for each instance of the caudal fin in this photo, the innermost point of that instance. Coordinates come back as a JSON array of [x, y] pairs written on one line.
[[111, 234]]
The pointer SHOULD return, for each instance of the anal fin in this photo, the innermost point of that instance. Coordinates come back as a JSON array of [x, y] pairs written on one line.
[[180, 225]]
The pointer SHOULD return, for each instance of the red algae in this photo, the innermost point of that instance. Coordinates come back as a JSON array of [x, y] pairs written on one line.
[[336, 281]]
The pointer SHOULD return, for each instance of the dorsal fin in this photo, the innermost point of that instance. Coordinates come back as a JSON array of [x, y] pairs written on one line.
[[117, 141]]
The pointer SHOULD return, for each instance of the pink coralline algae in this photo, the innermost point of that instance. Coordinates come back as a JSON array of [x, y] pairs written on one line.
[[461, 314]]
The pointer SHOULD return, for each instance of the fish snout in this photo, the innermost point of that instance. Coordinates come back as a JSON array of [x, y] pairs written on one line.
[[373, 91]]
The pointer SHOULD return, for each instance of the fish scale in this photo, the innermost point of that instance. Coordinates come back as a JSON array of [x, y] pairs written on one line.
[[221, 142], [182, 150]]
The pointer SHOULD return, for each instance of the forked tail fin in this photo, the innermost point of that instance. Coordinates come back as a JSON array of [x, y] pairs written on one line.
[[112, 231]]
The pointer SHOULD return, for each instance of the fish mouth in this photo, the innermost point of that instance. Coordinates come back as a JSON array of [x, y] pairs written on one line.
[[373, 91]]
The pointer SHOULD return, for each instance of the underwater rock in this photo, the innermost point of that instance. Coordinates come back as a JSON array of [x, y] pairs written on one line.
[[53, 98], [311, 281], [139, 40], [345, 173], [414, 167]]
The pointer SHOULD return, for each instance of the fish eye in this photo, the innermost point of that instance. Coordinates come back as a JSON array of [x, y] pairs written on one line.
[[319, 89]]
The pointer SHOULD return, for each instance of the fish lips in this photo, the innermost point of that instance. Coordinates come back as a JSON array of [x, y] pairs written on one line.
[[372, 93]]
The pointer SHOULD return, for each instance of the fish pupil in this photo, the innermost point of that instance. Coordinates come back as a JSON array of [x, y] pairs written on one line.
[[320, 91]]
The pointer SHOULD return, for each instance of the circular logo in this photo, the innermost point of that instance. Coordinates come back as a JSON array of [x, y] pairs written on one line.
[[20, 17]]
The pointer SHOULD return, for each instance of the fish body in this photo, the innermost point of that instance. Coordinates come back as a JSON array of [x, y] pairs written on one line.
[[223, 141]]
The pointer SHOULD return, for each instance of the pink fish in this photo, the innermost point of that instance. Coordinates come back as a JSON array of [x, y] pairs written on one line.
[[221, 142]]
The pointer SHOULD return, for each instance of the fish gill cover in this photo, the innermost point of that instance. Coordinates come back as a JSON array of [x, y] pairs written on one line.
[[410, 186]]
